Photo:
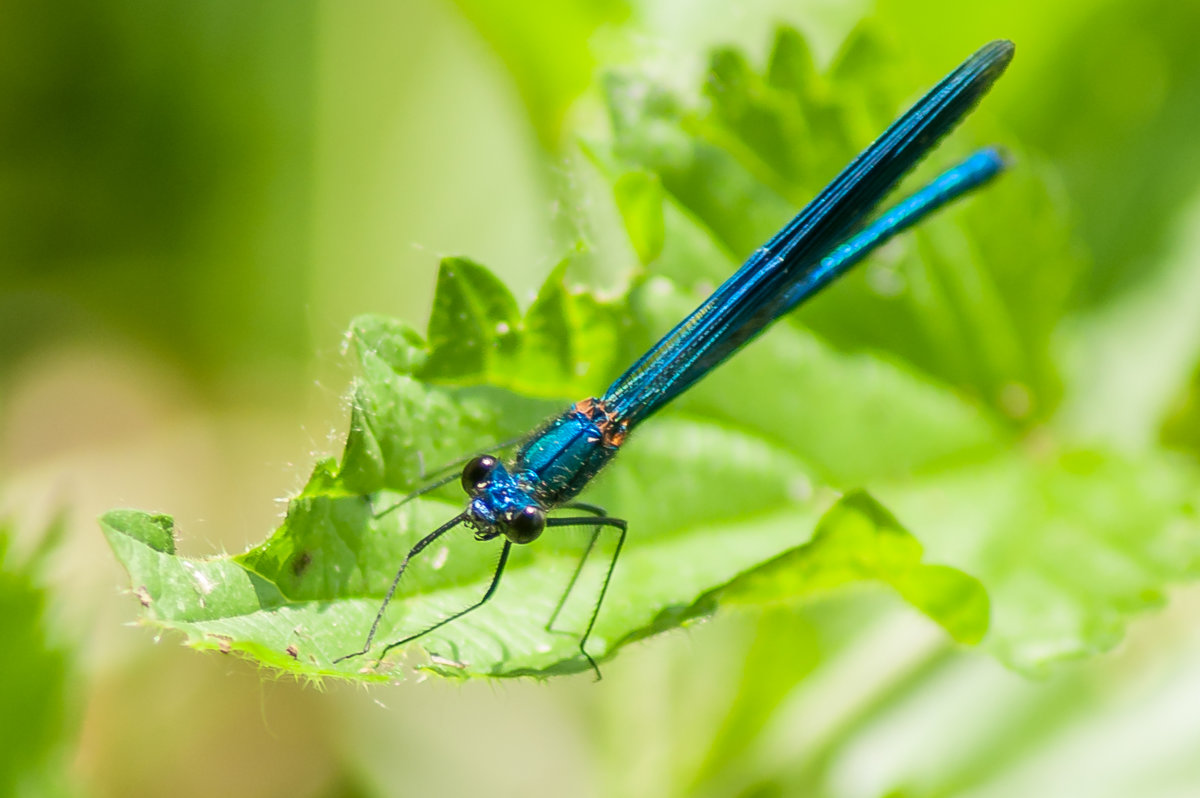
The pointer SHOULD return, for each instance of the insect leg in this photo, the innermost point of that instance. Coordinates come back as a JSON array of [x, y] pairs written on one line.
[[486, 597], [622, 526], [414, 551]]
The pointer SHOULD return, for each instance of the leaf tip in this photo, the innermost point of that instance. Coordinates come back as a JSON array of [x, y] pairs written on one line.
[[154, 530]]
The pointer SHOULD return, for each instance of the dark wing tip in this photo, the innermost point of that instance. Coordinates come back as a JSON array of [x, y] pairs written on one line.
[[975, 76], [994, 57]]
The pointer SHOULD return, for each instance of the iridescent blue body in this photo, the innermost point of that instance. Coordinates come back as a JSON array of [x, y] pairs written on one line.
[[829, 236], [550, 468], [558, 461]]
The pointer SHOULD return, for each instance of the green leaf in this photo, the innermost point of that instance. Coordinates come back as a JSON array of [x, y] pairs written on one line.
[[310, 592], [572, 342], [859, 540], [970, 307], [931, 381], [396, 420], [1069, 546], [34, 678], [472, 329]]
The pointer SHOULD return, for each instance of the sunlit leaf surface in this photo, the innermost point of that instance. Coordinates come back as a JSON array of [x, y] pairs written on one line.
[[930, 377], [309, 593]]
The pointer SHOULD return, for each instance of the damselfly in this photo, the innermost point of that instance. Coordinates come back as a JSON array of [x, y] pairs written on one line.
[[555, 463]]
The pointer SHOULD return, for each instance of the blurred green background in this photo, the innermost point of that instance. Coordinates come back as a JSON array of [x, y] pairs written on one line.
[[195, 198]]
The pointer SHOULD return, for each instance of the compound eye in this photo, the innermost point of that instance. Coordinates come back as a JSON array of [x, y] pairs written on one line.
[[477, 473], [527, 525]]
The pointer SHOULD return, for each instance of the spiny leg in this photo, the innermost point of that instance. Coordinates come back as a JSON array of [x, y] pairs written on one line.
[[596, 511], [414, 551], [486, 597], [616, 523]]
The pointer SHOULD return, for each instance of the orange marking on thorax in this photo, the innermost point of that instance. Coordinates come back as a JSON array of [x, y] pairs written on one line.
[[612, 429]]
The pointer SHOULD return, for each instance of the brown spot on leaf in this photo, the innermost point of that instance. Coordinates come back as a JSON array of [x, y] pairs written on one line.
[[301, 562]]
